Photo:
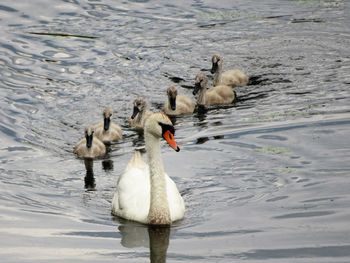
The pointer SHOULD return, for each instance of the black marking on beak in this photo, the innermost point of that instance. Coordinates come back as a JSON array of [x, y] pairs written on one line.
[[197, 87], [135, 112], [214, 67], [172, 102], [167, 127], [89, 140], [106, 123]]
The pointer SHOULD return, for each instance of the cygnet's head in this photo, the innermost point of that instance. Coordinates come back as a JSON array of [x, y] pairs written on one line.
[[216, 62], [89, 134], [107, 113], [172, 93], [200, 82], [160, 126], [139, 106]]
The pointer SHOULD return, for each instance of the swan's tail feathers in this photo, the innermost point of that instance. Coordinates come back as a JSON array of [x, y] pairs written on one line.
[[136, 160]]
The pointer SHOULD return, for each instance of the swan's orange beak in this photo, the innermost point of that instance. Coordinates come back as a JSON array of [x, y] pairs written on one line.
[[169, 137]]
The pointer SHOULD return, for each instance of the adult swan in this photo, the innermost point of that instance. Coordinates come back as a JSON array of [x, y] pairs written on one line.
[[145, 193]]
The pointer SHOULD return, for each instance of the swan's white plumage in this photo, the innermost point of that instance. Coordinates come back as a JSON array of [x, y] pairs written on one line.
[[132, 199], [145, 193]]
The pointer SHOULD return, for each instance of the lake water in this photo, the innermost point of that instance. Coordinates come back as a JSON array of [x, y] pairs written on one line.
[[264, 180]]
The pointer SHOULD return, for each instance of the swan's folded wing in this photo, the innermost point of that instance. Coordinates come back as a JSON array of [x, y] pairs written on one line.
[[175, 200], [132, 200]]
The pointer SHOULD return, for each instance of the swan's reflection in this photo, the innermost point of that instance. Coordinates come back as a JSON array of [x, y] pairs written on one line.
[[154, 237], [158, 243], [107, 165], [201, 114], [89, 178]]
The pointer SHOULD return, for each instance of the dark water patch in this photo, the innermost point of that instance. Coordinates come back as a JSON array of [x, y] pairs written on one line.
[[8, 131], [257, 80], [329, 199], [305, 214], [307, 20], [174, 79], [7, 8], [277, 16], [187, 86], [277, 198], [274, 65], [62, 35], [273, 137], [202, 140], [252, 96], [313, 184], [281, 80], [299, 93], [212, 25]]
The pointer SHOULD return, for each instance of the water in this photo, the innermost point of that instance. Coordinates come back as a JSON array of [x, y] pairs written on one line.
[[264, 180]]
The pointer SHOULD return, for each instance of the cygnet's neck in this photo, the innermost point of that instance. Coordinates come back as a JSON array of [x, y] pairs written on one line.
[[217, 75], [201, 100], [159, 213]]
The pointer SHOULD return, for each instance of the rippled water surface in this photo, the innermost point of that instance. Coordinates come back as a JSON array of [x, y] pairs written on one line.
[[264, 180]]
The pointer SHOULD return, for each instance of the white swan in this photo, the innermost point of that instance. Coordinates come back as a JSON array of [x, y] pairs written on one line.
[[107, 131], [140, 114], [215, 95], [177, 104], [89, 147], [145, 193], [233, 78]]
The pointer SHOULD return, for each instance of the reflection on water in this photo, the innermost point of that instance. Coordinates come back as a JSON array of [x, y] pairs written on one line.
[[154, 237], [158, 242], [107, 165], [89, 178]]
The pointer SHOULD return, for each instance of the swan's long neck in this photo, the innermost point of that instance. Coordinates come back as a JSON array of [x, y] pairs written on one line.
[[217, 75], [159, 213], [201, 100]]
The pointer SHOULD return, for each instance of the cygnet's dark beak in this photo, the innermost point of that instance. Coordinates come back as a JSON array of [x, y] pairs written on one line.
[[135, 112], [172, 102], [89, 140], [197, 87], [214, 68], [106, 123]]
